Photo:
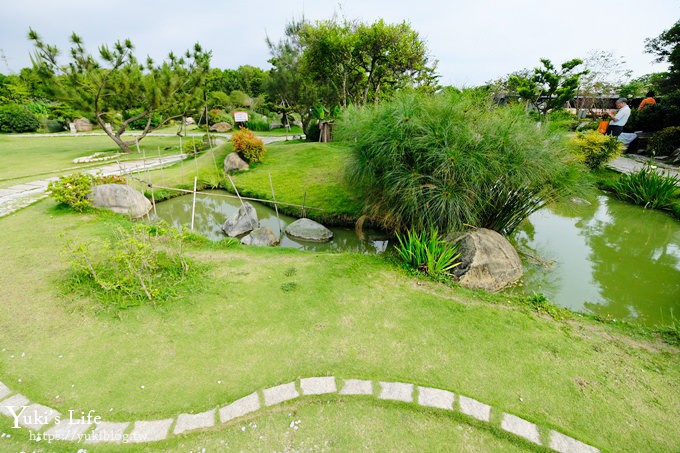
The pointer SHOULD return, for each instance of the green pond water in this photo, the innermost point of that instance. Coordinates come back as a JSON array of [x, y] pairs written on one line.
[[608, 258], [212, 211]]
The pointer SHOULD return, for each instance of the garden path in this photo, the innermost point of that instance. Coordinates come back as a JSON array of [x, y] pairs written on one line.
[[49, 425], [631, 163]]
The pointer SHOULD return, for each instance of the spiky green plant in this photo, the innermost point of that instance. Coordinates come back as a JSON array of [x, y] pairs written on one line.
[[648, 188], [451, 160], [427, 252]]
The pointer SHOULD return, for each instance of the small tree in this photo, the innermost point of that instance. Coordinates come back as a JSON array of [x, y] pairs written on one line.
[[121, 84], [548, 88]]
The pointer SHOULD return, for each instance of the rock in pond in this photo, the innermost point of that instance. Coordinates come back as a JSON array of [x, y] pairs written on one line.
[[263, 237], [120, 198], [233, 162], [489, 261], [309, 230], [242, 222]]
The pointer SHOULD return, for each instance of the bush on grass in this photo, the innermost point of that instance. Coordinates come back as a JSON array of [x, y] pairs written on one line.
[[595, 149], [249, 147], [15, 118], [451, 160], [74, 190]]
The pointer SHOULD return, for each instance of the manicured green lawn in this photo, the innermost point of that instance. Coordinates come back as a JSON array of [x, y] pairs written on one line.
[[239, 330], [24, 158]]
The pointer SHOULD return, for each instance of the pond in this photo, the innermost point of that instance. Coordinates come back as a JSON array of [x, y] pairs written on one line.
[[608, 258], [212, 211], [605, 257]]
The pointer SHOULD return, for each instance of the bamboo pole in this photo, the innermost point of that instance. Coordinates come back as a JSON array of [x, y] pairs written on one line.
[[193, 205], [250, 219], [160, 164], [276, 206]]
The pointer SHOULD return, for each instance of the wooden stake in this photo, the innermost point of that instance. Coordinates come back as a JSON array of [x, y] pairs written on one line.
[[276, 206], [193, 205]]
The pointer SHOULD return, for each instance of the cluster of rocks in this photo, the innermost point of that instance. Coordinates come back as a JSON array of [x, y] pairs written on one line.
[[245, 224]]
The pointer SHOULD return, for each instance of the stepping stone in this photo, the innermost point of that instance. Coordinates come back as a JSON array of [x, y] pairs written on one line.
[[16, 402], [357, 387], [4, 391], [108, 432], [566, 444], [280, 393], [520, 427], [188, 422], [68, 430], [36, 416], [150, 431], [430, 397], [397, 391], [474, 408], [318, 385], [240, 407]]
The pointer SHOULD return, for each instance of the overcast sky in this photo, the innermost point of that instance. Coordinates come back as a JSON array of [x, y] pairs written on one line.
[[474, 40]]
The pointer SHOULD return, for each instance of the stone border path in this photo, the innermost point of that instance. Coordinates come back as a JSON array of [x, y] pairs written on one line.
[[43, 419], [630, 163]]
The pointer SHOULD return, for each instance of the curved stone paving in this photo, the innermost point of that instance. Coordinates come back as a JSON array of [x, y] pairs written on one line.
[[52, 425]]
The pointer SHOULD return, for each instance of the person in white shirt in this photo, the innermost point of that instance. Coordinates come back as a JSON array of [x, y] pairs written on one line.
[[619, 119]]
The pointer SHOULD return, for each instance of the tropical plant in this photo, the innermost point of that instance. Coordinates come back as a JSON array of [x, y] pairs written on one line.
[[428, 253], [453, 159], [595, 149], [648, 188]]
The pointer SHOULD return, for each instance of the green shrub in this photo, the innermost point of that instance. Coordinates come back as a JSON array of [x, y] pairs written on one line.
[[451, 160], [595, 149], [249, 147], [74, 190], [562, 120], [647, 188], [143, 264], [258, 125], [54, 126], [428, 253], [17, 118], [664, 142], [190, 146], [313, 132]]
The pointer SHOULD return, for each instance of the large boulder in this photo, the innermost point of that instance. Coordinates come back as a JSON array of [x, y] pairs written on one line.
[[120, 198], [244, 221], [221, 127], [489, 261], [233, 162], [263, 237], [82, 125], [309, 230]]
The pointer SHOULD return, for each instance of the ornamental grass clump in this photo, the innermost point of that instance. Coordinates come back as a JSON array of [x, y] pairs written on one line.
[[453, 160], [428, 253], [648, 188]]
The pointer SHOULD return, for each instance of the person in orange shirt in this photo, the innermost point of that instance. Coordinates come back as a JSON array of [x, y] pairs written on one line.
[[649, 100]]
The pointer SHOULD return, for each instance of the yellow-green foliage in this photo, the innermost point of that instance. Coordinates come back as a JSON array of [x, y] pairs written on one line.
[[595, 149], [249, 147]]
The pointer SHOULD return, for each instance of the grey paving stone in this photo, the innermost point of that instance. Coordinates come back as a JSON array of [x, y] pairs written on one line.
[[357, 387], [15, 402], [566, 444], [188, 422], [442, 399], [150, 431], [36, 416], [397, 391], [240, 407], [280, 393], [318, 385], [108, 432], [474, 408], [68, 430], [4, 391], [521, 427]]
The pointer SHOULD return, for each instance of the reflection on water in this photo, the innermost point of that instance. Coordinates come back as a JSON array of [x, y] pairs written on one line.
[[610, 258], [212, 211]]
